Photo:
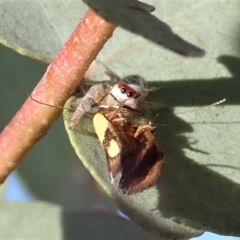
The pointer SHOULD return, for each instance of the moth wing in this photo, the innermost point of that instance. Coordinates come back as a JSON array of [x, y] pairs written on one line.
[[121, 147], [113, 148], [149, 169], [110, 141], [131, 155]]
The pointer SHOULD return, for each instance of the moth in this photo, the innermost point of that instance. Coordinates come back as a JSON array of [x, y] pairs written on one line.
[[130, 149], [129, 144]]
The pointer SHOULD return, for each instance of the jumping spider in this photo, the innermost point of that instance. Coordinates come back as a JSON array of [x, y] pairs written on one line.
[[129, 92]]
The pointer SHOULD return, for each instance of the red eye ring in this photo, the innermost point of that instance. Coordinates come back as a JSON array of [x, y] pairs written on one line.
[[126, 89]]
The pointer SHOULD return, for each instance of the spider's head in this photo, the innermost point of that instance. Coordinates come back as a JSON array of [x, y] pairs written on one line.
[[130, 90]]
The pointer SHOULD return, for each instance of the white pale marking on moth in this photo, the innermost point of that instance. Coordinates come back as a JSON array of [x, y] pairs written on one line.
[[114, 149], [111, 178]]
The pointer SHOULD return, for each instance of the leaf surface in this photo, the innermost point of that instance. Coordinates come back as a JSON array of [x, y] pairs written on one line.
[[52, 23], [41, 220], [199, 189]]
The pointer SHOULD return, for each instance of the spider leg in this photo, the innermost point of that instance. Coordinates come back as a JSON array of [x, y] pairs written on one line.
[[85, 104]]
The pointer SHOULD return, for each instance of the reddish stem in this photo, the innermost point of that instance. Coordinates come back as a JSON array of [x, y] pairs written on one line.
[[60, 80]]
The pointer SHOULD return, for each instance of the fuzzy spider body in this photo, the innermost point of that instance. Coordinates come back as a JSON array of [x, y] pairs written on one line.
[[130, 91]]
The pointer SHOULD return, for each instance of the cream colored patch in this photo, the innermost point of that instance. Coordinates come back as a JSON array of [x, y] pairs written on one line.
[[100, 124], [113, 149]]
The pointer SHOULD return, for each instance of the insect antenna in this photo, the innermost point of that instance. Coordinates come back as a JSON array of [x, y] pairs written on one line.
[[49, 105], [204, 107]]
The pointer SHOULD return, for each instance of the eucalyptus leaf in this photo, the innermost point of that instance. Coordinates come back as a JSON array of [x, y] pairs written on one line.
[[41, 220], [143, 208], [52, 23], [132, 16], [199, 189], [38, 29], [21, 220]]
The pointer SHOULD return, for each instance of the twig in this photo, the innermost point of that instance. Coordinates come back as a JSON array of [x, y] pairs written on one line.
[[33, 120]]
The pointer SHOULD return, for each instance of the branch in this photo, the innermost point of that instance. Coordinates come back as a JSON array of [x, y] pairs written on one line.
[[62, 77]]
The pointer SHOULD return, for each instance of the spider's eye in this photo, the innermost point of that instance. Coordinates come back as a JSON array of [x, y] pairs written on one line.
[[123, 90], [129, 94], [126, 89]]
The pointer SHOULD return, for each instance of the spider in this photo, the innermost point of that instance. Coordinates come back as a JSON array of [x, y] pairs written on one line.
[[130, 92]]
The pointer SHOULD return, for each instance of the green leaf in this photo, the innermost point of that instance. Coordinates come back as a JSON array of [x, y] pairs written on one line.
[[41, 220], [52, 23], [136, 18], [30, 221], [199, 189], [144, 208]]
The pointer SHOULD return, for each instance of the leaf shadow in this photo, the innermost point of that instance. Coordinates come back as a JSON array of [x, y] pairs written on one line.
[[191, 193], [200, 92], [100, 225], [137, 19]]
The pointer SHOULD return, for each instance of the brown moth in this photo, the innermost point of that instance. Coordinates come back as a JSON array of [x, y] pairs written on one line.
[[130, 149], [149, 168], [129, 145]]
